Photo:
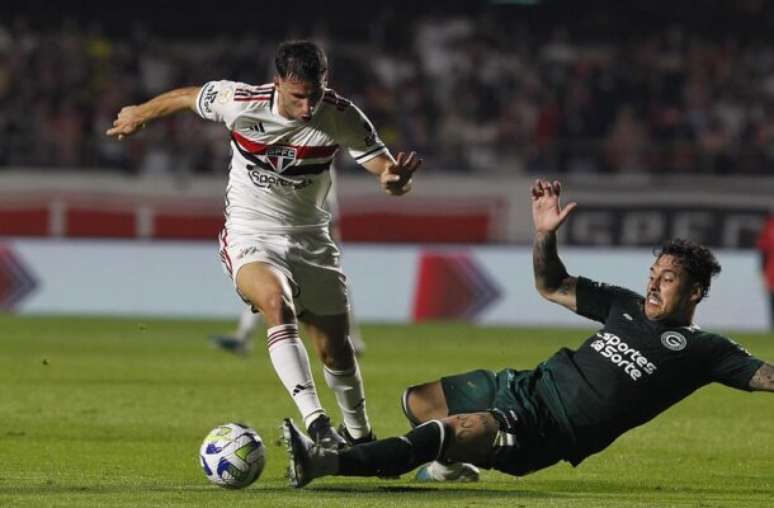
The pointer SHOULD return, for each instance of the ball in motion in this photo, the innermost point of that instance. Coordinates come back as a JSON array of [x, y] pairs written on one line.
[[232, 456]]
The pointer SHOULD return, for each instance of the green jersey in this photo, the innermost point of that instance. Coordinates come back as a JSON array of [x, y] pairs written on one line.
[[632, 369]]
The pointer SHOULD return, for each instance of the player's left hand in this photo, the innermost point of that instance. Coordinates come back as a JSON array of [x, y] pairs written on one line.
[[547, 211], [397, 179]]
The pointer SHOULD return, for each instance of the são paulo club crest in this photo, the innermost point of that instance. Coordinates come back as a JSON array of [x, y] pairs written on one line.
[[281, 157]]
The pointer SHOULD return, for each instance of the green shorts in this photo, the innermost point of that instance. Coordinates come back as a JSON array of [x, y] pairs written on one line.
[[535, 440]]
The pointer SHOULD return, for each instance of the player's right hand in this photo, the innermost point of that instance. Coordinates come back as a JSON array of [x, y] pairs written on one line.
[[547, 212], [396, 180], [129, 120]]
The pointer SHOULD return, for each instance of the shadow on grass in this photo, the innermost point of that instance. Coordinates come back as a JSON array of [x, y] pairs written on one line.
[[325, 490], [588, 489], [458, 492], [591, 487]]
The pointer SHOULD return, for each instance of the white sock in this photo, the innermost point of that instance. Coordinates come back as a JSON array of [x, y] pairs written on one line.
[[291, 363], [248, 321], [452, 471], [441, 470], [347, 385]]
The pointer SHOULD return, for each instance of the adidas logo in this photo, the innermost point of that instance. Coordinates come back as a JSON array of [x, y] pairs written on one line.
[[300, 388]]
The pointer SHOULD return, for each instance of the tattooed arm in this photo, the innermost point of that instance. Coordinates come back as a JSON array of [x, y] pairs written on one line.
[[551, 278], [763, 380]]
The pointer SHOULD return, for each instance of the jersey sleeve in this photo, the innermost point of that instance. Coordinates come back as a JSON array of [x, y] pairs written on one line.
[[594, 299], [358, 135], [731, 364], [216, 102]]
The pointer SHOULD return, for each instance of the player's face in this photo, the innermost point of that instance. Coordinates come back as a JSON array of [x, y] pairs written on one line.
[[671, 295], [297, 99]]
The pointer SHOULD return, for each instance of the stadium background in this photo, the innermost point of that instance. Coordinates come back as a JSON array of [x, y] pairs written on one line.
[[657, 118]]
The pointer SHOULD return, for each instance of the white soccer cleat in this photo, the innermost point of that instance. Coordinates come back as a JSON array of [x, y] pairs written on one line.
[[454, 472], [307, 460]]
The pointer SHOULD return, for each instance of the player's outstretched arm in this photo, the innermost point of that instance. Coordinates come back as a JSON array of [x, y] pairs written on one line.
[[394, 174], [763, 379], [133, 118], [551, 278]]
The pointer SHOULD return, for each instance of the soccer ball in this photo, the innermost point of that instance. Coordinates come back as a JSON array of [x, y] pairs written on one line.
[[232, 456]]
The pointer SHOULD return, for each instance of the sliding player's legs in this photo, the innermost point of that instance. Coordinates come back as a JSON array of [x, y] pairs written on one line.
[[467, 393], [516, 434], [530, 438], [458, 438]]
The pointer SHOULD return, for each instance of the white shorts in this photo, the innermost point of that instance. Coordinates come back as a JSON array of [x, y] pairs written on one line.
[[309, 260]]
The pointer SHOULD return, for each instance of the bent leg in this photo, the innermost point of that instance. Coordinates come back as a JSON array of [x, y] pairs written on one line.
[[422, 403], [462, 393], [330, 337], [268, 290], [461, 438], [452, 395]]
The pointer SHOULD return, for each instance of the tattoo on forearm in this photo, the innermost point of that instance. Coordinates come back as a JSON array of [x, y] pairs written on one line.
[[550, 272], [764, 378]]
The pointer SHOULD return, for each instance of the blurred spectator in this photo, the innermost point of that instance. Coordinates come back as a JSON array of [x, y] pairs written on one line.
[[766, 249], [472, 93]]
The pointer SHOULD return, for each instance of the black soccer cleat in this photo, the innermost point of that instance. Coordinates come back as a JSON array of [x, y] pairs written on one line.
[[351, 441], [306, 459], [322, 433]]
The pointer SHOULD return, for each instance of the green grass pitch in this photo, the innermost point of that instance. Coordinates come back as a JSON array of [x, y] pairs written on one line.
[[111, 412]]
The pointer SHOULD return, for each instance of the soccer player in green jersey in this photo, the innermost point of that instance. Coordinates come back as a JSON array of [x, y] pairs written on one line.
[[647, 356]]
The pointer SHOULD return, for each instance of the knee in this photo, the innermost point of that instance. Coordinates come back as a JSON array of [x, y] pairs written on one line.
[[424, 402], [277, 308], [406, 405]]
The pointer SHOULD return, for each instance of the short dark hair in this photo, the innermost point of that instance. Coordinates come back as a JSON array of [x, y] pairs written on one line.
[[304, 60], [697, 260]]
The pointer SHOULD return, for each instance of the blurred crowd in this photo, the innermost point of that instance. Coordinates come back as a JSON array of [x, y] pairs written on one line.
[[468, 94]]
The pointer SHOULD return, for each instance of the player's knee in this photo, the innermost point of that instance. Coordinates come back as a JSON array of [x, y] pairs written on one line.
[[277, 308], [424, 402], [406, 406]]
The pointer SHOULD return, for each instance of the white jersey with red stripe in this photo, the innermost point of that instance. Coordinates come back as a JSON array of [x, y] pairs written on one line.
[[280, 169]]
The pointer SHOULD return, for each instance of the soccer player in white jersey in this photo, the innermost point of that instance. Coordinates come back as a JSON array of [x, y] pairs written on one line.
[[276, 244], [241, 341]]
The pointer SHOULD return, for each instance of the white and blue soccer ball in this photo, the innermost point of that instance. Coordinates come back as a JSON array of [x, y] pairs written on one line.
[[232, 456]]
